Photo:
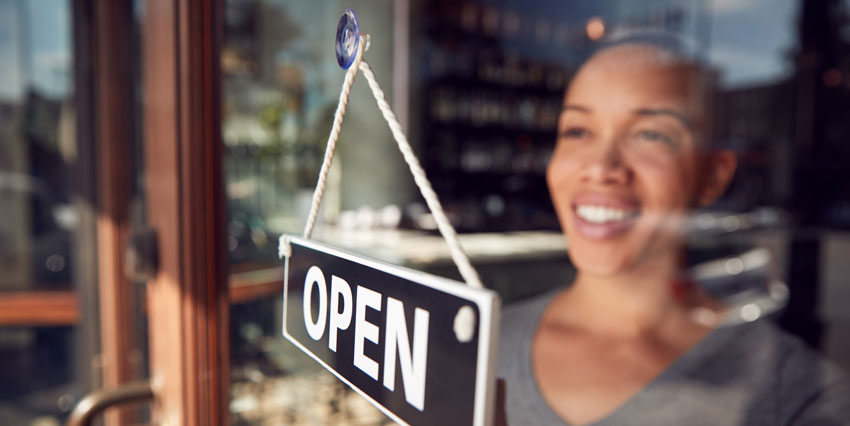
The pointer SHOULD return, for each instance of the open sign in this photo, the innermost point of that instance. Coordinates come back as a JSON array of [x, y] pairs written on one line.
[[419, 347]]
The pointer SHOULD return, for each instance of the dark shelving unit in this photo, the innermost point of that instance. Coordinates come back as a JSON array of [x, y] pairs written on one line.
[[488, 104]]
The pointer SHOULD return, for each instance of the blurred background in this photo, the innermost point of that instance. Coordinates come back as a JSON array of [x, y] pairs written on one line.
[[477, 85]]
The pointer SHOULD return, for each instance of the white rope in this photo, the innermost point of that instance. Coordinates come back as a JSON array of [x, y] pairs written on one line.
[[332, 138], [458, 254], [284, 249]]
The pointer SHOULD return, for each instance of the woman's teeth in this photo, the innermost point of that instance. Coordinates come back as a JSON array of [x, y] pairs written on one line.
[[599, 214]]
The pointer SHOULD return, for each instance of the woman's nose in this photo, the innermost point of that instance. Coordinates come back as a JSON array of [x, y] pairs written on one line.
[[606, 165]]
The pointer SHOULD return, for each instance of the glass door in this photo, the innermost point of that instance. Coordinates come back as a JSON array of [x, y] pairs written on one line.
[[70, 320], [280, 84], [112, 247]]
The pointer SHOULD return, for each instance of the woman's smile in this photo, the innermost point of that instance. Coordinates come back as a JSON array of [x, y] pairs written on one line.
[[600, 216]]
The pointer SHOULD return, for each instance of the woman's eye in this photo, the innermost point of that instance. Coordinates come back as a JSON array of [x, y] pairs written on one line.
[[653, 136], [575, 133]]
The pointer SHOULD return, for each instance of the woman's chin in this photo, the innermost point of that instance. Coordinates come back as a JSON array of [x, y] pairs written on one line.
[[601, 264]]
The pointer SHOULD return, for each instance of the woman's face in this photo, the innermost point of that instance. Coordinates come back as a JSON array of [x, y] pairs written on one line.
[[625, 168]]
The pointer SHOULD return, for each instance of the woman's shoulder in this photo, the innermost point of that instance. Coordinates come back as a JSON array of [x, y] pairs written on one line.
[[781, 353], [785, 380]]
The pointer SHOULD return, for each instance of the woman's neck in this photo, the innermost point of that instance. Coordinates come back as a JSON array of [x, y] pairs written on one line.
[[635, 303]]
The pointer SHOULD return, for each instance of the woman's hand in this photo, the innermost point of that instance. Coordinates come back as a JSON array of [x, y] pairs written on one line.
[[500, 418]]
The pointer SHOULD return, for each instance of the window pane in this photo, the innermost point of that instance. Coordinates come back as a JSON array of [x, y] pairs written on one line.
[[479, 87], [41, 237], [38, 374], [280, 88], [49, 329], [38, 131]]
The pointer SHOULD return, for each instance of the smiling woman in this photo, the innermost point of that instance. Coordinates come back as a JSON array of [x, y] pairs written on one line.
[[630, 159], [630, 341]]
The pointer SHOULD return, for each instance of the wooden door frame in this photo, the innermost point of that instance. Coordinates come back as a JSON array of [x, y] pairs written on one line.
[[188, 300], [114, 139]]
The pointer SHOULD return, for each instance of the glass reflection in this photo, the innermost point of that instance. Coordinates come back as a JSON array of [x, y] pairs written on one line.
[[486, 82], [37, 128], [634, 158], [280, 87], [39, 222]]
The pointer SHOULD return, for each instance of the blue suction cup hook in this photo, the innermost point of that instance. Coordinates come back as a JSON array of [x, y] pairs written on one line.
[[347, 39]]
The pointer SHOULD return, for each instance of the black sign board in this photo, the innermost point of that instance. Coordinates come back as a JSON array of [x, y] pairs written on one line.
[[419, 347]]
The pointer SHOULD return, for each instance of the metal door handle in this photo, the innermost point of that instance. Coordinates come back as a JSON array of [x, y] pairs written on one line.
[[96, 402]]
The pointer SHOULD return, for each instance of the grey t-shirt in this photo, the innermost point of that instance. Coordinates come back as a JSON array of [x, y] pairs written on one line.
[[746, 374]]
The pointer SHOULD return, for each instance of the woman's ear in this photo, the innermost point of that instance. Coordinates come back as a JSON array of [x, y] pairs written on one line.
[[718, 171]]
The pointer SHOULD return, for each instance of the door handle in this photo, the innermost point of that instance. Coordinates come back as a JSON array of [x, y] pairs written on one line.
[[96, 402], [141, 254]]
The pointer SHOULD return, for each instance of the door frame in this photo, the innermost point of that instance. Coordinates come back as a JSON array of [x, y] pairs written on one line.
[[187, 301], [114, 107]]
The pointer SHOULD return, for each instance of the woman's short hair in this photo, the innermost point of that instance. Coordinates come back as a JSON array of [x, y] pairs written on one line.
[[675, 50]]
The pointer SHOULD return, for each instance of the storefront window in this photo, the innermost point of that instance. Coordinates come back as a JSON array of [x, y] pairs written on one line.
[[38, 148], [479, 86], [280, 88], [41, 240]]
